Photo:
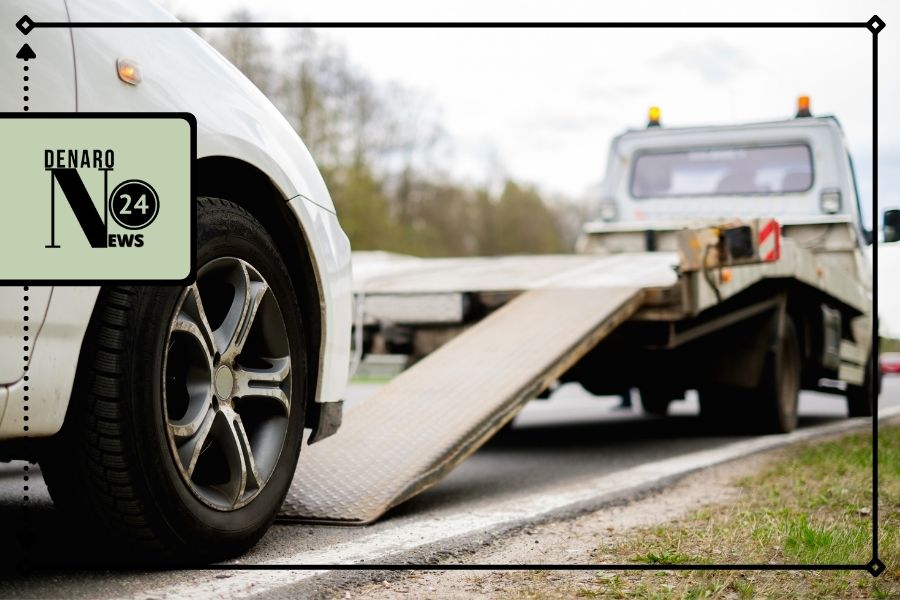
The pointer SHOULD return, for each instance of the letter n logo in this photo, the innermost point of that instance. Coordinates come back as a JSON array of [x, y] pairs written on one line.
[[92, 224]]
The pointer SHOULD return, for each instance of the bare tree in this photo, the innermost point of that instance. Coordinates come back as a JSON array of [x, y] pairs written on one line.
[[247, 49], [377, 147]]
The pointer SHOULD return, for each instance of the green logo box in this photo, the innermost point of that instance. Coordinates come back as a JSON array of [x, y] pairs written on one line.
[[92, 198]]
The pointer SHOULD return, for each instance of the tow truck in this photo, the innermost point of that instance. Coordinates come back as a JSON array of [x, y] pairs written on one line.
[[731, 260]]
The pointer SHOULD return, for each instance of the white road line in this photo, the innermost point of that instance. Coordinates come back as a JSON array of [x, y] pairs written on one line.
[[375, 546]]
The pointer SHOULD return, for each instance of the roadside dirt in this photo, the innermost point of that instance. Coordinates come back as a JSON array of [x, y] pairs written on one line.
[[577, 540]]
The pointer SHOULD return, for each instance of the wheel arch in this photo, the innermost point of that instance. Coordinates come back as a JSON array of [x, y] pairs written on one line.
[[246, 185]]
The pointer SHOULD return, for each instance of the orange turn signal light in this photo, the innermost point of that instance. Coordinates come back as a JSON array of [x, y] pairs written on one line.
[[128, 71]]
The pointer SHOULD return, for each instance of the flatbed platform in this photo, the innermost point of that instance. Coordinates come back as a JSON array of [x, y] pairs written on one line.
[[380, 273]]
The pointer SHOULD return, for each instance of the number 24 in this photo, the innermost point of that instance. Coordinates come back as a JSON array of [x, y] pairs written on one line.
[[140, 205]]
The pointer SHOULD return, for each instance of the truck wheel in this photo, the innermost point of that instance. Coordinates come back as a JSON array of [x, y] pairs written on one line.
[[775, 400], [860, 400], [655, 401], [185, 423]]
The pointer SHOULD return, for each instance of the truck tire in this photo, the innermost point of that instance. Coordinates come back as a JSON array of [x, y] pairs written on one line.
[[185, 422], [655, 401], [775, 399], [860, 399], [770, 407]]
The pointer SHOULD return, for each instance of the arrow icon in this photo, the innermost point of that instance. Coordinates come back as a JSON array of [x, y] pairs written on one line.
[[26, 53]]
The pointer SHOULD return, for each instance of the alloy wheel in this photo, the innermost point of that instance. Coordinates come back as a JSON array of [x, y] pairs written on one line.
[[227, 384]]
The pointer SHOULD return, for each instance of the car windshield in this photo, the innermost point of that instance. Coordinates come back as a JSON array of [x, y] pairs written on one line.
[[722, 171]]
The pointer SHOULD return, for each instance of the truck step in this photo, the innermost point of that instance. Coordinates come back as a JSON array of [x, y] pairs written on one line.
[[417, 428]]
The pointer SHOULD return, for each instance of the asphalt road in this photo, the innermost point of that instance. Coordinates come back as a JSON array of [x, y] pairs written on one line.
[[574, 435], [554, 444]]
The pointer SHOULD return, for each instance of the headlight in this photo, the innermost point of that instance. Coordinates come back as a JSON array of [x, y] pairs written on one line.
[[830, 201], [608, 210]]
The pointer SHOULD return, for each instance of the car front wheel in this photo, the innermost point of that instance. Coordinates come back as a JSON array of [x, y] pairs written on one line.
[[185, 422]]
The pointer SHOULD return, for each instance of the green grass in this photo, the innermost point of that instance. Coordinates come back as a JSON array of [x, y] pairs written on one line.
[[668, 558], [810, 506], [370, 379]]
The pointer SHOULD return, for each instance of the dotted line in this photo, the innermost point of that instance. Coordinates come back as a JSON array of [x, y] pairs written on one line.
[[25, 88], [26, 339], [26, 347]]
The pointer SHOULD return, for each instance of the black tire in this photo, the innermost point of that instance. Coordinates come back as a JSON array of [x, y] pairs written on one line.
[[860, 399], [770, 407], [775, 400], [111, 467], [655, 401]]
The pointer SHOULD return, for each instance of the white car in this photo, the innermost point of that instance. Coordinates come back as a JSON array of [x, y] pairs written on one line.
[[172, 417]]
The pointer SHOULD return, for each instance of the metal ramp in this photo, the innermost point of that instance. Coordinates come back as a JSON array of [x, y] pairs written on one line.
[[417, 428]]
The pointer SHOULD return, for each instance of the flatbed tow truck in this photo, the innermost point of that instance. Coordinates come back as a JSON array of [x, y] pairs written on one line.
[[730, 260]]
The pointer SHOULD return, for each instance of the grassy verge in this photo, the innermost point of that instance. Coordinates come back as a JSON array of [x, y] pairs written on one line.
[[812, 505], [370, 380]]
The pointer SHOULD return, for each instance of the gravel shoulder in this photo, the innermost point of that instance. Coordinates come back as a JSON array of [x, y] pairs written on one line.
[[806, 504], [570, 541]]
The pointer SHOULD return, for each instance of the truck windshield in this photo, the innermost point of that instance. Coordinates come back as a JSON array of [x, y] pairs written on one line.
[[722, 171]]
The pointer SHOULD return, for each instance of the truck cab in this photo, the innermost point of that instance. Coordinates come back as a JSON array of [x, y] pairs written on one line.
[[795, 169], [798, 171]]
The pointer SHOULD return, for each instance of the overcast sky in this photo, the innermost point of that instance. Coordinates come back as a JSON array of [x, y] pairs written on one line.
[[543, 104]]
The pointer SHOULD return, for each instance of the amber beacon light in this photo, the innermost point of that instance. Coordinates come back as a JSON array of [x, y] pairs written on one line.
[[803, 107]]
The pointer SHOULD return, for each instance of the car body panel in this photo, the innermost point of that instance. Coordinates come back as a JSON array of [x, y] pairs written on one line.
[[180, 73], [12, 327], [233, 117], [53, 88], [54, 359], [3, 403]]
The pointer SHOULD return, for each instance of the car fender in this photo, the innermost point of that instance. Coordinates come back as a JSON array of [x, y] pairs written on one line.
[[235, 120]]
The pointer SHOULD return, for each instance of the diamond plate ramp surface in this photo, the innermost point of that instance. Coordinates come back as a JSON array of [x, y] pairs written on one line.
[[414, 430]]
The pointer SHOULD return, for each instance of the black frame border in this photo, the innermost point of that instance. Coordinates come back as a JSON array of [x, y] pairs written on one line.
[[875, 25]]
